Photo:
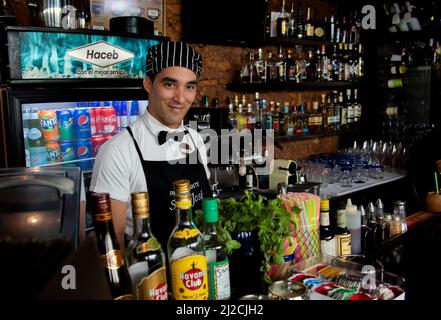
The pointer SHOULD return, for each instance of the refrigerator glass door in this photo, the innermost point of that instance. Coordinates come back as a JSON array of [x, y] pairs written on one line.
[[71, 133]]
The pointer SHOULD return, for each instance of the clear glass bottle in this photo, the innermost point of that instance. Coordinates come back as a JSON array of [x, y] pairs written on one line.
[[215, 251], [145, 257], [384, 224], [400, 211], [185, 247], [282, 22]]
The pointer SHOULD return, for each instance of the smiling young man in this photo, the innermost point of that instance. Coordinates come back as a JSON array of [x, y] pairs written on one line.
[[141, 158]]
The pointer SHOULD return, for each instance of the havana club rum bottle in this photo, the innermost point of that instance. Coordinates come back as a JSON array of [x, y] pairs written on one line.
[[112, 259], [188, 263], [145, 257]]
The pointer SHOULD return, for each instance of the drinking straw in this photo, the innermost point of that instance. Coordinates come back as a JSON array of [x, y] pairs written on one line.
[[436, 183]]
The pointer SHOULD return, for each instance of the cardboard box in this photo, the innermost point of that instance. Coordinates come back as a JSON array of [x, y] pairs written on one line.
[[102, 10]]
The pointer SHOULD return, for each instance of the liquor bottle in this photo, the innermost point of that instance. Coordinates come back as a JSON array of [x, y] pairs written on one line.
[[291, 69], [298, 121], [350, 107], [145, 257], [240, 117], [354, 225], [309, 26], [268, 116], [282, 22], [343, 111], [331, 32], [328, 244], [391, 26], [292, 22], [275, 108], [215, 251], [384, 225], [282, 120], [311, 67], [281, 66], [331, 114], [288, 120], [112, 260], [258, 111], [250, 117], [324, 109], [315, 120], [319, 27], [342, 233], [337, 108], [271, 70], [261, 66], [232, 116], [300, 25], [185, 247], [357, 108], [303, 118]]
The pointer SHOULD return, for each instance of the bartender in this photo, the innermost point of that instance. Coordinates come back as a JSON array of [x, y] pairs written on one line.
[[157, 149]]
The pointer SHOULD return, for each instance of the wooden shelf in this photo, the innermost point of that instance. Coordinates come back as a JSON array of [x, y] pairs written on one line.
[[317, 85], [291, 41]]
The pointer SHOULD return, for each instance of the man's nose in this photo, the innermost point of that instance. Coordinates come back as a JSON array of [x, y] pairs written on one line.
[[180, 95]]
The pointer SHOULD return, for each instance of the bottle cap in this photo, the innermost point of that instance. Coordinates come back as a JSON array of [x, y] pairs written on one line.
[[350, 208], [210, 210], [101, 206], [324, 205], [140, 205], [182, 194]]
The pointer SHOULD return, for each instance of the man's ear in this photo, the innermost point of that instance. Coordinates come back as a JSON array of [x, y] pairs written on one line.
[[147, 84]]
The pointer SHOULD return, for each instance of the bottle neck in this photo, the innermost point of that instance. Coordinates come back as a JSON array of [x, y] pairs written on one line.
[[142, 227], [184, 217], [324, 218], [210, 227]]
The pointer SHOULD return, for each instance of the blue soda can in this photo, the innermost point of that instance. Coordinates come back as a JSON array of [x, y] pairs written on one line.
[[82, 123], [66, 124], [67, 151], [84, 151]]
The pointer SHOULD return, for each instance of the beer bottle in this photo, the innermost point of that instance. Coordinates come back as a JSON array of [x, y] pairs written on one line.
[[145, 257], [111, 257], [217, 259], [185, 247]]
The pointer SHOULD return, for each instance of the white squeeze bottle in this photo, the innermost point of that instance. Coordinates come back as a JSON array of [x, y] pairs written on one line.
[[353, 219]]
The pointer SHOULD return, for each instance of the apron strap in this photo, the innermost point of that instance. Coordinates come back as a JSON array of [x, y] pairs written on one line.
[[136, 144]]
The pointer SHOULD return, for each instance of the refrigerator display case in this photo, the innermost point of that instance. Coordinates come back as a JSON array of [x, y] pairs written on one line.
[[67, 92]]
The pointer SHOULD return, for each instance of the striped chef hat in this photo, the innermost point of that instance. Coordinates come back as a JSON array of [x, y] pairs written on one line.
[[172, 54]]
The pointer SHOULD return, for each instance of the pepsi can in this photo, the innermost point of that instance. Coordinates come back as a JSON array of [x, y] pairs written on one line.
[[82, 123], [83, 150], [67, 151]]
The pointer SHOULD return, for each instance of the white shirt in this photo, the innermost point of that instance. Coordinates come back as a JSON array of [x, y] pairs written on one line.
[[118, 170]]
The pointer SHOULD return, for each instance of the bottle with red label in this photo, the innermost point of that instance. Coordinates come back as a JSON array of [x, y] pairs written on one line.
[[145, 257], [186, 253]]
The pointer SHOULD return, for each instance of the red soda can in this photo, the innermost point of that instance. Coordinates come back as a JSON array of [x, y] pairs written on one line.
[[107, 118], [93, 127], [97, 142]]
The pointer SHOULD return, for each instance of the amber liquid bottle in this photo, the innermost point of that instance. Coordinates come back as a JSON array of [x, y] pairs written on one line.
[[111, 257], [185, 248], [145, 256]]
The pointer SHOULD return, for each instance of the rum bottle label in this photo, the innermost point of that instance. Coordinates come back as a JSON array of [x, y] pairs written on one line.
[[189, 278], [343, 244], [219, 275], [152, 287]]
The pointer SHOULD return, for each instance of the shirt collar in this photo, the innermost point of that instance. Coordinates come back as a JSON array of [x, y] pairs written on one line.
[[155, 126]]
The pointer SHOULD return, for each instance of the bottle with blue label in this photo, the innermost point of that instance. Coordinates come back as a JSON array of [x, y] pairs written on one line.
[[215, 251]]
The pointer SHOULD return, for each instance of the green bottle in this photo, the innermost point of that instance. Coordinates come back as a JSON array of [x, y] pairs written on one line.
[[215, 251]]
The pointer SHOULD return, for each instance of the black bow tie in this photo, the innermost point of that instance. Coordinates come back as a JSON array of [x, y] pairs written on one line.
[[163, 136]]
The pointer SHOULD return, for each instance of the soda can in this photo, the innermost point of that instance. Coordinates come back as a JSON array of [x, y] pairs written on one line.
[[53, 152], [83, 150], [66, 124], [93, 125], [49, 125], [82, 123], [97, 142], [107, 120], [67, 151]]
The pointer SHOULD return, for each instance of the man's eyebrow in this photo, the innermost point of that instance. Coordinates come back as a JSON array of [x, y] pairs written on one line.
[[168, 79]]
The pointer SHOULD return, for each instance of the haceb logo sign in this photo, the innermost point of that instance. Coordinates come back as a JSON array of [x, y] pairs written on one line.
[[101, 54]]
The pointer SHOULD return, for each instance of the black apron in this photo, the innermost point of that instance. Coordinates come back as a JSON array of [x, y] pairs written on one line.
[[160, 176]]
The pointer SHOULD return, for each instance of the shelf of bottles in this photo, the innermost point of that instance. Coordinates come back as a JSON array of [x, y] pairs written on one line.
[[312, 54], [338, 112]]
